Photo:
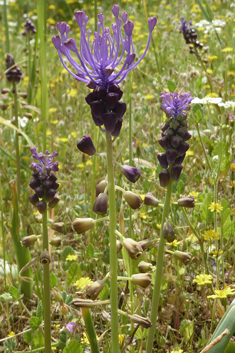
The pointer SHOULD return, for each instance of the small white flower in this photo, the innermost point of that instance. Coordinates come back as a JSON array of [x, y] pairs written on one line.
[[207, 100], [227, 105]]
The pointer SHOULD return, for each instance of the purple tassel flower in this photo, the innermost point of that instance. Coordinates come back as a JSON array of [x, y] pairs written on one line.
[[43, 181], [97, 59], [174, 134]]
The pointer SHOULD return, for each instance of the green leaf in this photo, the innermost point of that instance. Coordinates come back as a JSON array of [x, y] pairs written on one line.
[[206, 199], [38, 339], [90, 251], [141, 333], [104, 294], [53, 280], [5, 297], [171, 85], [226, 223], [14, 293], [74, 273], [39, 311], [35, 322], [68, 250], [180, 183], [73, 347], [8, 124], [221, 160], [230, 347], [206, 12], [28, 336]]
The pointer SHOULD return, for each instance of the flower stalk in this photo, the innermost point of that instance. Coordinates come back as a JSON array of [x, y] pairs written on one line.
[[86, 314], [113, 248]]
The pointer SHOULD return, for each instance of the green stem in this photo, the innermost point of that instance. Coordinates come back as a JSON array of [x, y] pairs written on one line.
[[3, 237], [199, 239], [6, 27], [203, 147], [113, 250], [158, 273], [90, 330], [17, 143], [46, 289], [42, 4]]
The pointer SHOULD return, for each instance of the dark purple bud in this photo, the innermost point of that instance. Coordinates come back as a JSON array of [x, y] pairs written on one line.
[[99, 92], [165, 143], [46, 184], [182, 131], [169, 133], [171, 156], [33, 199], [111, 100], [101, 204], [54, 202], [100, 187], [116, 89], [180, 159], [164, 178], [34, 182], [39, 191], [128, 28], [187, 202], [97, 121], [108, 70], [175, 140], [183, 147], [120, 109], [91, 97], [109, 120], [86, 145], [55, 186], [97, 108], [176, 171], [50, 193], [41, 206], [52, 178], [90, 84], [168, 231], [162, 160], [131, 173], [117, 129], [187, 136]]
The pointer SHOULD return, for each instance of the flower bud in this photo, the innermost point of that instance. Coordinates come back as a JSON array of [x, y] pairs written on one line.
[[38, 218], [140, 320], [145, 244], [86, 145], [168, 231], [164, 178], [186, 202], [131, 173], [185, 257], [133, 200], [101, 187], [150, 200], [27, 241], [176, 171], [83, 303], [119, 246], [101, 204], [142, 279], [133, 248], [94, 289], [41, 206], [45, 257], [33, 199], [50, 193], [59, 227], [55, 242], [54, 202], [4, 106], [64, 310], [162, 160], [81, 225], [144, 266]]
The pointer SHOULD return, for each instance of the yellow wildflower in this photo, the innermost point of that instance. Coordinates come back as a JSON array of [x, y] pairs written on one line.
[[222, 293], [149, 96], [194, 194], [227, 49], [233, 183], [212, 95], [212, 57], [209, 71], [159, 225], [71, 257], [121, 339], [216, 253], [72, 92], [174, 243], [83, 282], [11, 334], [233, 167], [84, 339], [215, 207], [203, 279], [189, 153], [178, 351], [210, 234], [62, 139]]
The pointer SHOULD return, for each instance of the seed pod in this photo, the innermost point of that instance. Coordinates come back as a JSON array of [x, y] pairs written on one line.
[[83, 303], [45, 257], [119, 246], [168, 231], [140, 320], [55, 242], [101, 204], [59, 227], [185, 257], [93, 290], [150, 200], [81, 225], [131, 173], [27, 241], [101, 187], [144, 266], [145, 244], [133, 248], [142, 279], [133, 200], [186, 202]]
